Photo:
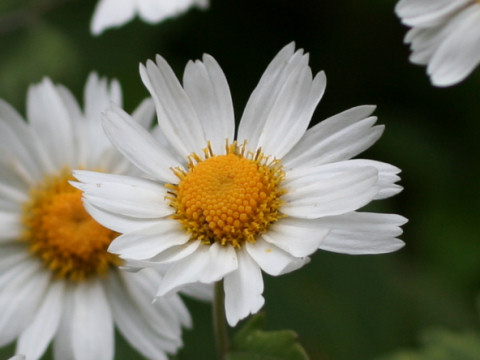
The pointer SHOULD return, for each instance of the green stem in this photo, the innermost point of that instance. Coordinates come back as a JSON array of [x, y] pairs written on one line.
[[219, 321]]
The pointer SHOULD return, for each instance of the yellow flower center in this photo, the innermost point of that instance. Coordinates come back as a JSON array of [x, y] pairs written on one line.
[[59, 231], [229, 198]]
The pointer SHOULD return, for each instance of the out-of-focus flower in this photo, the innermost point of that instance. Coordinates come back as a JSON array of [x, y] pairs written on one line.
[[115, 13], [445, 36], [57, 281], [217, 208]]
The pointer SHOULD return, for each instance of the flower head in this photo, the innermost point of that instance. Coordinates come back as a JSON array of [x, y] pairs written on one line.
[[445, 36], [224, 207], [57, 280], [115, 13]]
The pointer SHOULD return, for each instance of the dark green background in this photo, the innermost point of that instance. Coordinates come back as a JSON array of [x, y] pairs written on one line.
[[343, 307]]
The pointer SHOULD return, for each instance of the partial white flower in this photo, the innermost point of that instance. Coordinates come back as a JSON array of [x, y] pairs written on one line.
[[57, 281], [217, 208], [445, 36], [115, 13]]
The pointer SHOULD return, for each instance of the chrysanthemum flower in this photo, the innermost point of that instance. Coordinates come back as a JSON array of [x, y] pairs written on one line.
[[57, 280], [220, 206], [445, 36], [115, 13]]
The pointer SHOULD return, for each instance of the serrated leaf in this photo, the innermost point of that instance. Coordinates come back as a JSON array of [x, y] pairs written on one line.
[[442, 344], [253, 343]]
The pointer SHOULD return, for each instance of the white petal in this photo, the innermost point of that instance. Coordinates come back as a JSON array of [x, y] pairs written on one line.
[[112, 13], [92, 323], [35, 339], [223, 260], [271, 259], [189, 269], [117, 222], [363, 233], [291, 113], [176, 116], [10, 226], [243, 289], [266, 93], [328, 190], [427, 13], [148, 242], [50, 119], [124, 195], [459, 54], [138, 146], [387, 177], [138, 322], [299, 237], [20, 146], [337, 138], [144, 113], [207, 87], [21, 295], [199, 291], [153, 11]]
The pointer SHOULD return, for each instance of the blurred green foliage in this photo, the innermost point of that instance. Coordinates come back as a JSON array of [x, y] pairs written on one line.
[[342, 307]]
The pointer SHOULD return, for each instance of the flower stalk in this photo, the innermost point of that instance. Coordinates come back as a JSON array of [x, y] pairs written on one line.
[[219, 321]]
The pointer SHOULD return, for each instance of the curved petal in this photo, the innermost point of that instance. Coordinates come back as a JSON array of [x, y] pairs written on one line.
[[111, 13], [427, 13], [22, 289], [290, 115], [272, 259], [50, 119], [337, 138], [328, 190], [265, 96], [21, 148], [35, 339], [299, 237], [117, 222], [459, 53], [363, 233], [176, 116], [124, 195], [243, 289], [145, 325], [147, 242], [153, 11], [92, 323], [207, 87], [138, 146], [223, 260], [10, 226]]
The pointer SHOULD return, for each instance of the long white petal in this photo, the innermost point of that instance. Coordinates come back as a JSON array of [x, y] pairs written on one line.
[[299, 237], [243, 289], [329, 190], [35, 339], [112, 13], [147, 242], [207, 87], [176, 116], [124, 195], [92, 323], [138, 146], [363, 233], [272, 259]]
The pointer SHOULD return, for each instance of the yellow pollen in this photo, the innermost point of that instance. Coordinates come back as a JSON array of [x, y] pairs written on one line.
[[229, 199], [59, 231]]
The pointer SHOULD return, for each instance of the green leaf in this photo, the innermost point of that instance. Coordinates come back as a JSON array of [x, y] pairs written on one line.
[[442, 344], [253, 343]]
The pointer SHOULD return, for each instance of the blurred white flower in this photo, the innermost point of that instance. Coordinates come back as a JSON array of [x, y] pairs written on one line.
[[217, 208], [115, 13], [57, 281], [445, 36]]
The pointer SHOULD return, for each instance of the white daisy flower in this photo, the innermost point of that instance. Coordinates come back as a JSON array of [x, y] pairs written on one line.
[[218, 208], [115, 13], [445, 36], [57, 281]]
